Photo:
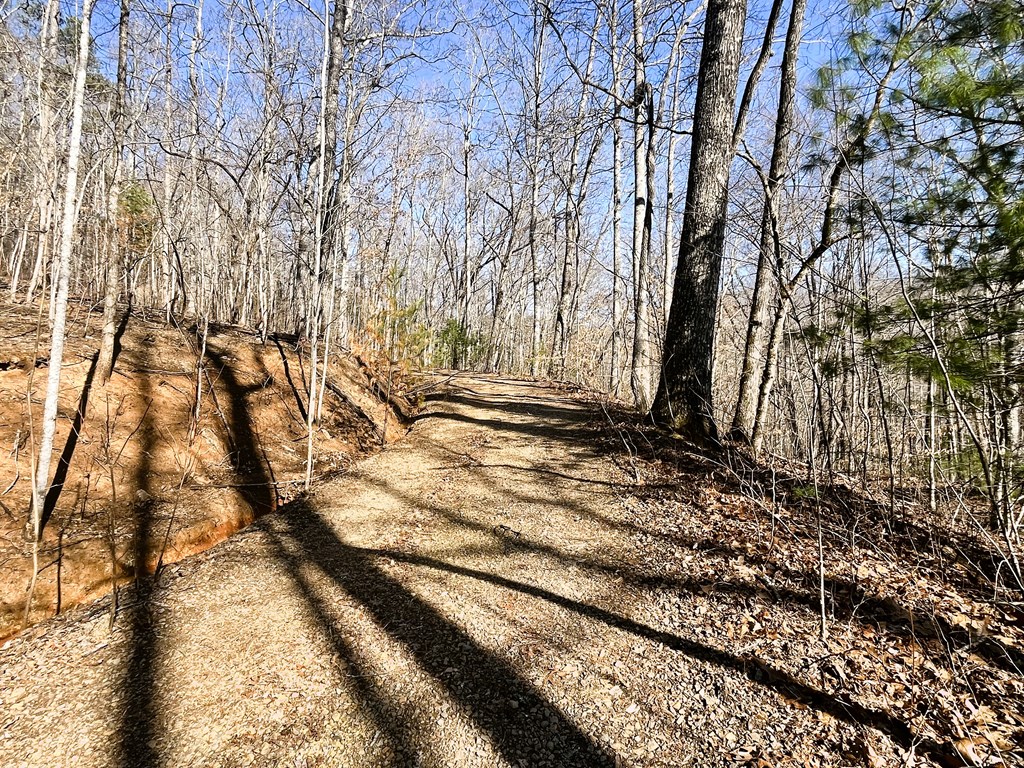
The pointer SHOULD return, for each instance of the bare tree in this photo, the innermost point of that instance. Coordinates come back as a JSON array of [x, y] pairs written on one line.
[[60, 307], [769, 247], [105, 361], [684, 400], [641, 371]]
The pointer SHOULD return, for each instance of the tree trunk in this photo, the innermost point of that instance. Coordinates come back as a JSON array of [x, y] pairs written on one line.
[[322, 219], [768, 252], [70, 211], [105, 362], [467, 229], [615, 377], [684, 399], [46, 182], [539, 27], [641, 372], [168, 285]]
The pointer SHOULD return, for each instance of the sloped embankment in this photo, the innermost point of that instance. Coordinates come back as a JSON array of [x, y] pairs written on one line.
[[140, 479]]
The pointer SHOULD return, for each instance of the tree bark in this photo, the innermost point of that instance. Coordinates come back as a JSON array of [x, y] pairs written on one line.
[[684, 400], [105, 362], [641, 372], [69, 217], [768, 251]]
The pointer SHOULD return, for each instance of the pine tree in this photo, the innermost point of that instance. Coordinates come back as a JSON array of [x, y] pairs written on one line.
[[962, 135]]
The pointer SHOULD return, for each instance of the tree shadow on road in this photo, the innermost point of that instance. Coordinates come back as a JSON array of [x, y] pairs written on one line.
[[861, 608], [137, 733], [756, 670], [256, 486], [522, 724]]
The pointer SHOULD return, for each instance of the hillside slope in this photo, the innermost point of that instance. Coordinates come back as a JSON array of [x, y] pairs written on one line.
[[140, 479]]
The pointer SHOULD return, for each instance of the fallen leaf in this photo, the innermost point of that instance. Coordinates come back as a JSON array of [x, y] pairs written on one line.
[[968, 750]]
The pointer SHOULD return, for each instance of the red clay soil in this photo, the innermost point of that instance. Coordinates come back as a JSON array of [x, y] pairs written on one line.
[[134, 465]]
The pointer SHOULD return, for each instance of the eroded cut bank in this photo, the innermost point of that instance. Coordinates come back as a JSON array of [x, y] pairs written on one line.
[[141, 481]]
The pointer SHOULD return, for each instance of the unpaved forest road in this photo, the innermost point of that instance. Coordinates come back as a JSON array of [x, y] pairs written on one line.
[[454, 601]]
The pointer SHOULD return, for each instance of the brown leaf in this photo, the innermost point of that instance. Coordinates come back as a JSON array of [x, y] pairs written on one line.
[[874, 760], [743, 755], [968, 750]]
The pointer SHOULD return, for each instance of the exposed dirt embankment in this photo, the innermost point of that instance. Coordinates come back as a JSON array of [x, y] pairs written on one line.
[[140, 480]]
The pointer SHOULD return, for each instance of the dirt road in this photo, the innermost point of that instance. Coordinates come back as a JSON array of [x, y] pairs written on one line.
[[469, 597]]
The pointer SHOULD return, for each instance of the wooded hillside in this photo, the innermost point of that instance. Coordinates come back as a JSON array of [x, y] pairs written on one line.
[[793, 230]]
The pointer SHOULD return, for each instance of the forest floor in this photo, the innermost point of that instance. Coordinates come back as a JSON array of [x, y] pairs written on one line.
[[525, 580]]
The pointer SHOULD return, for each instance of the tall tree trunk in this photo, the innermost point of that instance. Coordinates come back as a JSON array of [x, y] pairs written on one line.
[[168, 284], [642, 370], [615, 377], [69, 217], [768, 252], [323, 220], [684, 400], [46, 182], [539, 28], [467, 229], [105, 363]]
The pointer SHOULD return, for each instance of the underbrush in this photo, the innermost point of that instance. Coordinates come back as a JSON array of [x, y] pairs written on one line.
[[901, 618]]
